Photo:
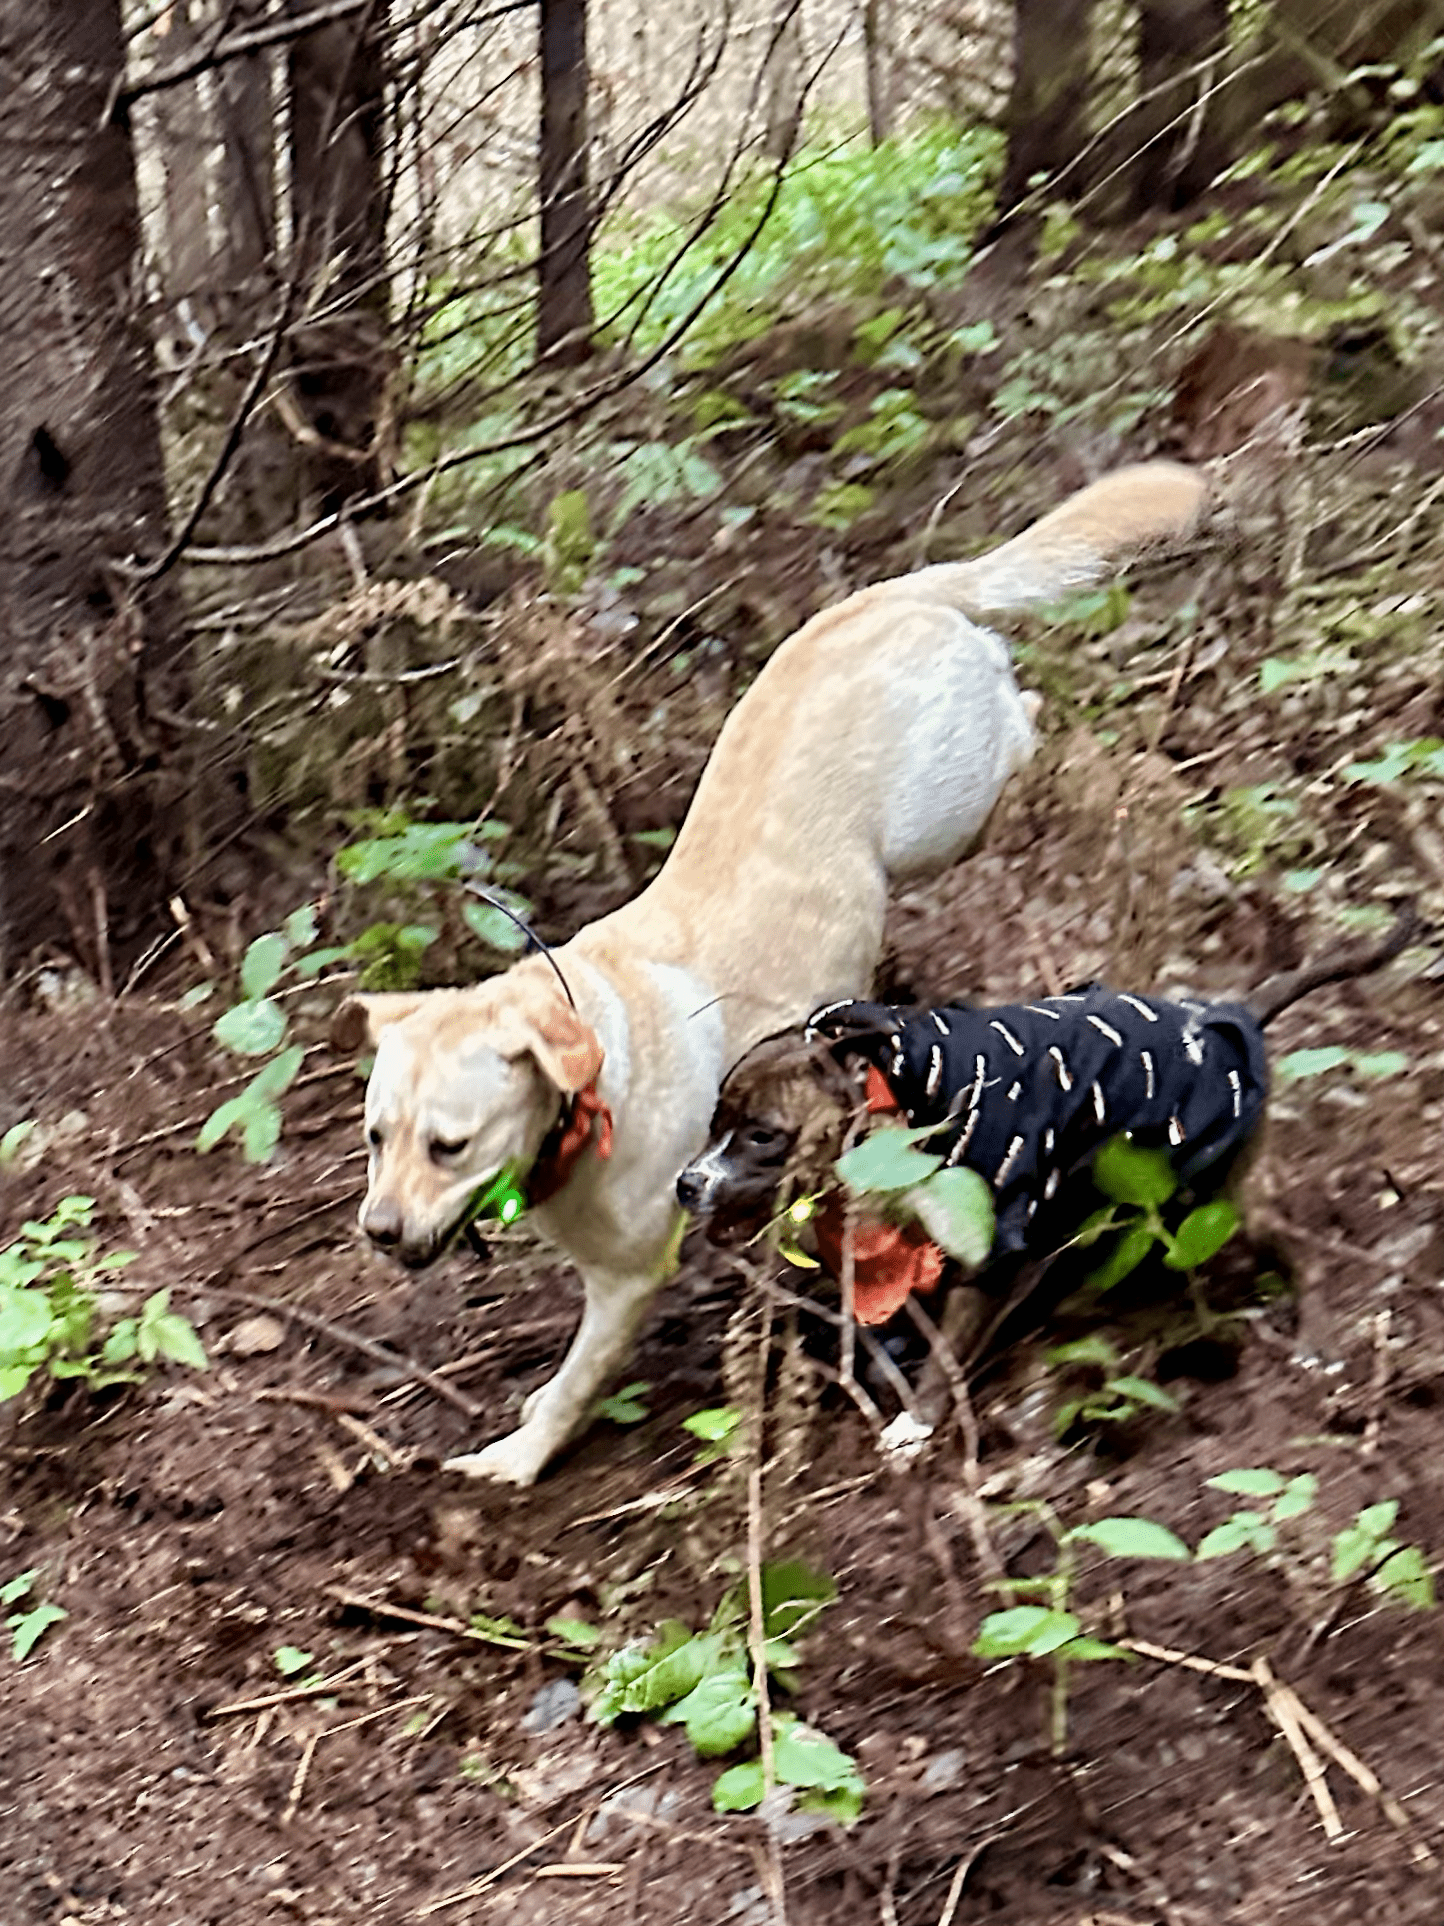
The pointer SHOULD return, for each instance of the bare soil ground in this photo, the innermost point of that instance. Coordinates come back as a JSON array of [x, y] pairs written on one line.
[[156, 1767]]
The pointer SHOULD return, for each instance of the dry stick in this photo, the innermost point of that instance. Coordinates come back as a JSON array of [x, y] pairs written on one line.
[[1309, 1722], [298, 1784], [985, 1550], [757, 1629], [291, 1693], [354, 1340], [1284, 1715], [379, 1608], [479, 1886]]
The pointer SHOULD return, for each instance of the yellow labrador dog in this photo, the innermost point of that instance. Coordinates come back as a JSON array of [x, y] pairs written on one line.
[[872, 747]]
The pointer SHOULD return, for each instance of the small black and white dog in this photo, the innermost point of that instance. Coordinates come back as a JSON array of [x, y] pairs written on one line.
[[1024, 1094]]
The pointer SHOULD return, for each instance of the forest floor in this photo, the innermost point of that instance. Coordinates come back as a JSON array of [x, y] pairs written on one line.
[[1183, 824]]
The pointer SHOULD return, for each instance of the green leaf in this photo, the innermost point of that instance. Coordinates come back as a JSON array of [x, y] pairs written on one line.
[[956, 1209], [1353, 1548], [842, 1804], [13, 1379], [1125, 1257], [1246, 1483], [1131, 1173], [25, 1320], [574, 1631], [1031, 1631], [493, 926], [1406, 1578], [885, 1161], [174, 1337], [1202, 1234], [18, 1586], [30, 1626], [1299, 1064], [290, 1659], [1144, 1390], [713, 1426], [251, 1029], [1131, 1538], [719, 1712], [300, 926], [1093, 1349], [1245, 1530], [278, 1075], [644, 1680], [121, 1344], [1092, 1648], [1378, 1519], [803, 1757], [262, 965], [1381, 1063], [262, 1130], [13, 1140], [234, 1110], [624, 1406], [739, 1788], [1296, 1497], [793, 1594]]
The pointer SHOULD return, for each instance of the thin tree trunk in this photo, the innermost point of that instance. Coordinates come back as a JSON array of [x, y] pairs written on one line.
[[877, 25], [1169, 143], [341, 363], [183, 138], [784, 83], [248, 153], [83, 660], [1048, 104], [564, 277]]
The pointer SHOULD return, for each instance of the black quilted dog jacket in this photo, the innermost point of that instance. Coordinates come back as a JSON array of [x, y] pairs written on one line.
[[1030, 1091]]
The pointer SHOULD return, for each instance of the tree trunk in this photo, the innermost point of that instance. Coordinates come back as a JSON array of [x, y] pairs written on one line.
[[877, 25], [341, 363], [83, 660], [564, 274], [1048, 106], [248, 142], [182, 136], [784, 83]]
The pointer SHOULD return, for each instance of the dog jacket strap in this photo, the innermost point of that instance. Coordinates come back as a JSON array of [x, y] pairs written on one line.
[[586, 1119]]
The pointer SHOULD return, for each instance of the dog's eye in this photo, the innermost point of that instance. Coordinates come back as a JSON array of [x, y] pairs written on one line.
[[443, 1149], [373, 1137], [761, 1137]]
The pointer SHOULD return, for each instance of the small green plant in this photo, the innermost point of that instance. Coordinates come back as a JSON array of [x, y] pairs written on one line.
[[1138, 1181], [1393, 1570], [1422, 757], [894, 430], [624, 1406], [50, 1280], [716, 1428], [29, 1626], [290, 1661], [400, 855], [704, 1682], [1050, 1629], [1117, 1399], [1300, 1065]]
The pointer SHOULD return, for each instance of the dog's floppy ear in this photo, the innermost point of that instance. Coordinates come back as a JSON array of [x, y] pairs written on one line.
[[566, 1048], [361, 1018]]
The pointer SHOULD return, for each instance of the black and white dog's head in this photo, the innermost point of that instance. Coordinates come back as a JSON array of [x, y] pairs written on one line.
[[782, 1115]]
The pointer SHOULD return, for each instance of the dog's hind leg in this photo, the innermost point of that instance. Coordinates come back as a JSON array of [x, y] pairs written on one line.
[[613, 1313]]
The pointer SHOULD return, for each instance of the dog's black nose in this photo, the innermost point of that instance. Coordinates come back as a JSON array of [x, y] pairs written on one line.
[[382, 1224], [691, 1190]]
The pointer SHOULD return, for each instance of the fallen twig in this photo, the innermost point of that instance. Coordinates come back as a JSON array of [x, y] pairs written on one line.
[[1304, 1731], [351, 1340]]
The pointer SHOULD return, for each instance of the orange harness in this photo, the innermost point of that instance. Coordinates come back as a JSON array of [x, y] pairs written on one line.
[[889, 1261], [586, 1118]]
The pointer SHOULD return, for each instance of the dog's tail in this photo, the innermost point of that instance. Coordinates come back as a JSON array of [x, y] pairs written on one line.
[[1078, 543], [1276, 993]]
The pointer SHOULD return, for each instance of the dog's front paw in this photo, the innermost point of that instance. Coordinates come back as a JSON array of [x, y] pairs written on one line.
[[517, 1459]]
